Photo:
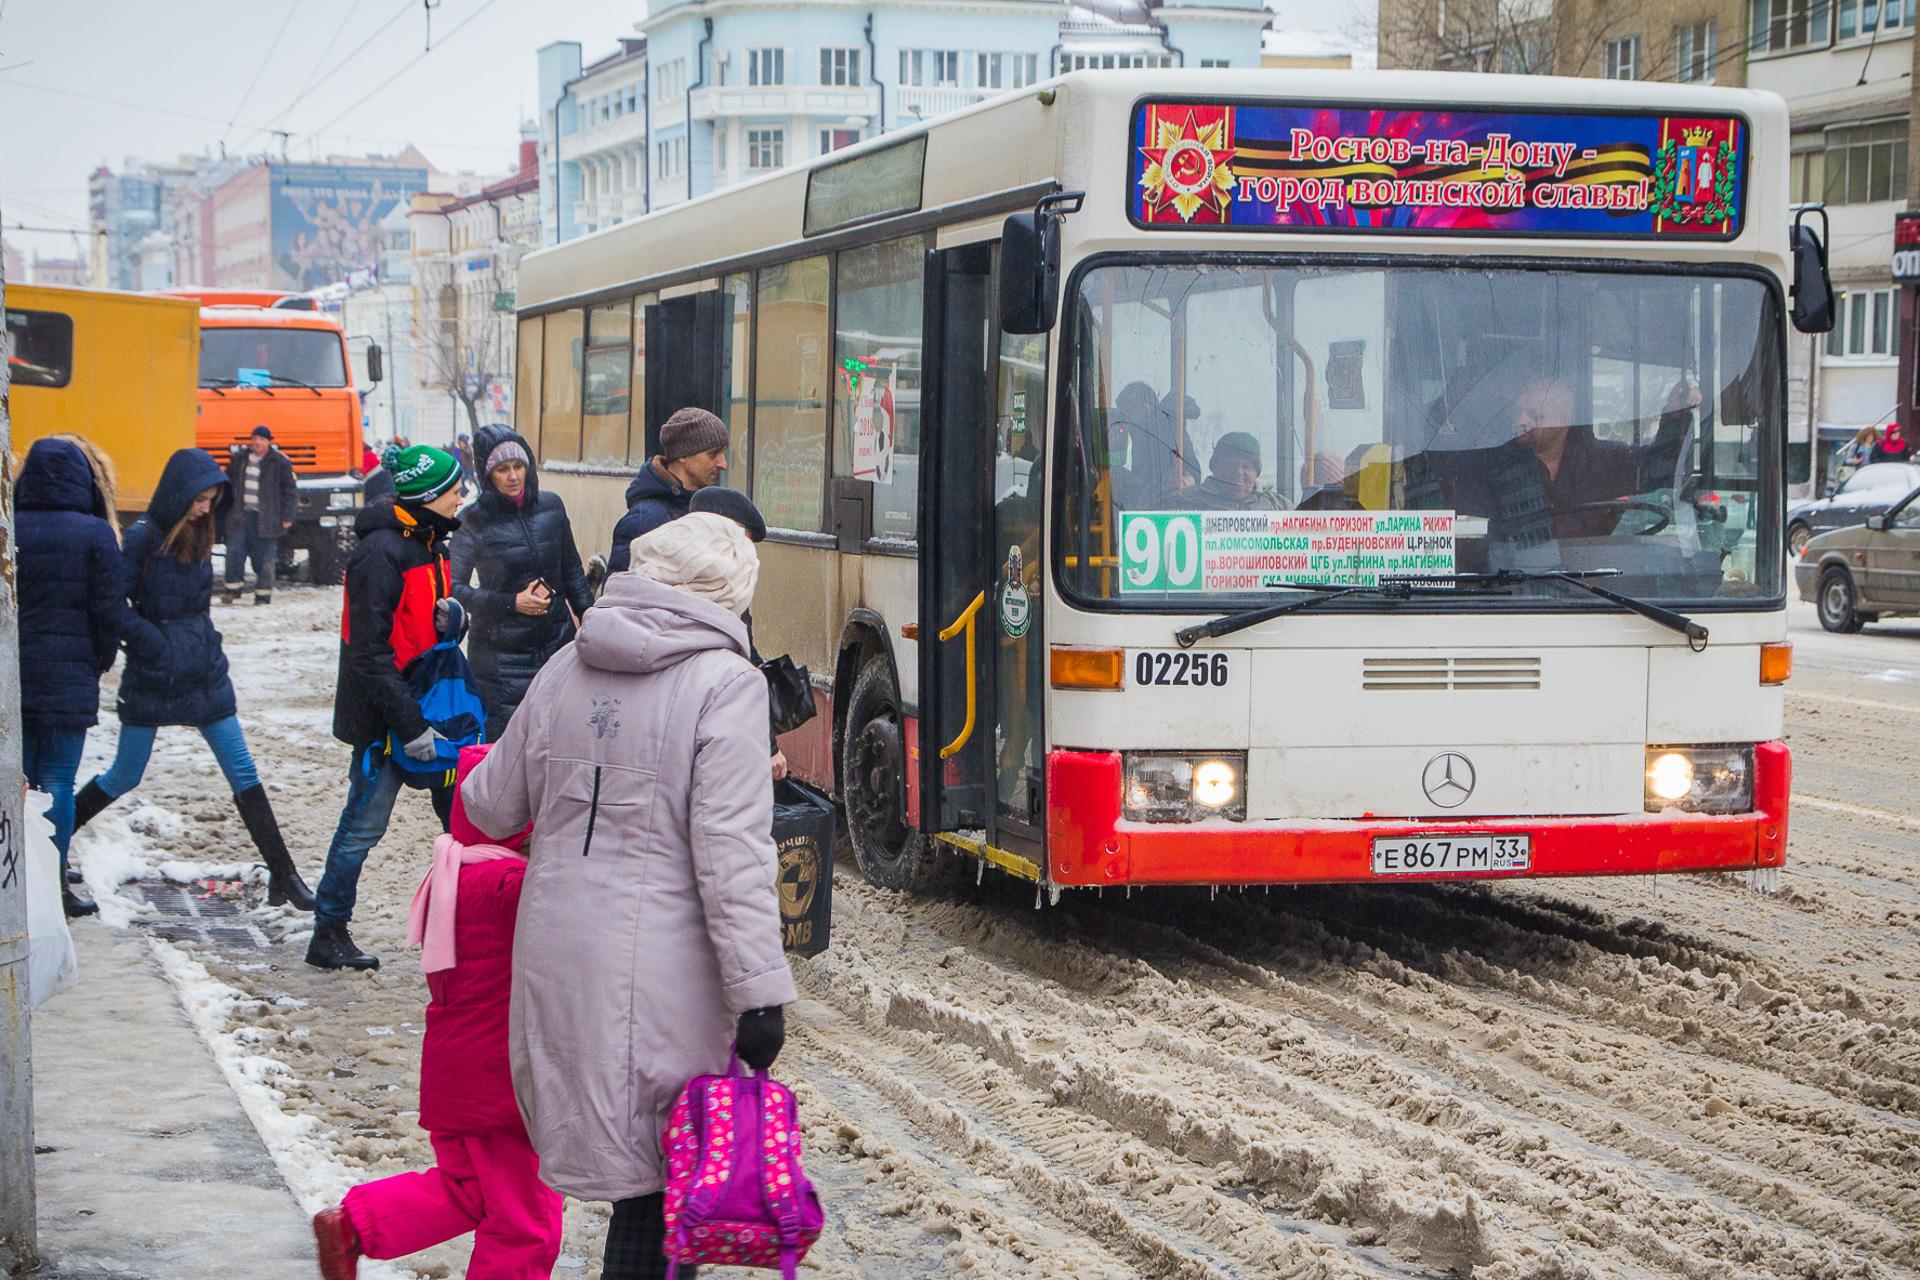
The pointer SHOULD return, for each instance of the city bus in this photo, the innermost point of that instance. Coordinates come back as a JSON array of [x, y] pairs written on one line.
[[1234, 478]]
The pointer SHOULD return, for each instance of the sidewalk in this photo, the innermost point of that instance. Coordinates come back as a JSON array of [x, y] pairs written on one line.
[[147, 1168]]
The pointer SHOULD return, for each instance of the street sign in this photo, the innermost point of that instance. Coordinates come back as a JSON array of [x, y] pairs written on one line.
[[503, 301], [1906, 246]]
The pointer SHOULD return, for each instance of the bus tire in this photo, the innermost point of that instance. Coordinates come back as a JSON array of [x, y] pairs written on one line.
[[1835, 602], [873, 785]]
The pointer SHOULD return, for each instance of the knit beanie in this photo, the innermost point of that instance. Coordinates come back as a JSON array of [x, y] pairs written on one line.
[[690, 431], [703, 553], [507, 451], [420, 472]]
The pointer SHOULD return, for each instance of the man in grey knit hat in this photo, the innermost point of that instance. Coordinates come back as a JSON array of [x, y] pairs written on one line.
[[693, 455]]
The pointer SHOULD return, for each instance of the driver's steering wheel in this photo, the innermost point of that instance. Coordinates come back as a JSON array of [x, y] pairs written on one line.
[[1620, 506]]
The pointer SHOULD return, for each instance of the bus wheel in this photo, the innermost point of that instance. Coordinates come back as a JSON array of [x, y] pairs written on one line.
[[873, 782]]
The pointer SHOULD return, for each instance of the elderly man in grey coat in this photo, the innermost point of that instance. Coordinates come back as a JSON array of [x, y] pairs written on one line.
[[648, 939]]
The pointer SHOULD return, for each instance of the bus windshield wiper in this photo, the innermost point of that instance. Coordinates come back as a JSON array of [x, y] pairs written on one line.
[[1394, 589], [1505, 578]]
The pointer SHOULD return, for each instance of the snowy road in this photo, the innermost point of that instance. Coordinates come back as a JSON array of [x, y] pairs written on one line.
[[1672, 1077]]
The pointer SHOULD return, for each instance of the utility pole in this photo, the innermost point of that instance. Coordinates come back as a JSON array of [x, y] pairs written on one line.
[[18, 1251]]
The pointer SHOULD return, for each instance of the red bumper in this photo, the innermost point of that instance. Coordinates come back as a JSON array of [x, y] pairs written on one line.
[[1089, 844]]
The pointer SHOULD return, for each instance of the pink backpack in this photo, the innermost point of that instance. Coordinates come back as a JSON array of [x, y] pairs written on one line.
[[736, 1194]]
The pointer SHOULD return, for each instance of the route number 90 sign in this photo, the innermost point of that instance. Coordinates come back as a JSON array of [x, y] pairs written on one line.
[[1161, 552], [1176, 552]]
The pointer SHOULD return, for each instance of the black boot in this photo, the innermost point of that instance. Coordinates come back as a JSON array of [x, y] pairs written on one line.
[[263, 597], [74, 904], [284, 884], [333, 948], [88, 804], [74, 876]]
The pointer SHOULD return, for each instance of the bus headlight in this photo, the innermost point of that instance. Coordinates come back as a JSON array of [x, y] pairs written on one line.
[[1184, 786], [1700, 779]]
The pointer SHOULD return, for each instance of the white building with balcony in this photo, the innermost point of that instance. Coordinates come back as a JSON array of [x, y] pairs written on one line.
[[719, 91]]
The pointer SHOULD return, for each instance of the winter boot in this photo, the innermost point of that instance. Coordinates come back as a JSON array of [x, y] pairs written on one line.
[[88, 804], [339, 1245], [333, 948], [75, 904], [74, 876], [263, 597], [230, 594], [284, 884]]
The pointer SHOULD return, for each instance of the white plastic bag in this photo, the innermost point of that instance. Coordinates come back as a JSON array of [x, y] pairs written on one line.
[[51, 964]]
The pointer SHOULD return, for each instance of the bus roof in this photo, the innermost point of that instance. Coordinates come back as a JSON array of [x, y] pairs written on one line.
[[983, 161]]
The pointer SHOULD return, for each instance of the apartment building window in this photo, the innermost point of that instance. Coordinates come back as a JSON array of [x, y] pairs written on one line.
[[671, 81], [1693, 49], [669, 157], [989, 71], [840, 66], [1780, 26], [1214, 62], [1110, 61], [766, 66], [930, 68], [1623, 58], [1023, 69], [1807, 169], [832, 140], [766, 148], [1866, 163], [1855, 18], [1005, 70], [633, 98], [1866, 324]]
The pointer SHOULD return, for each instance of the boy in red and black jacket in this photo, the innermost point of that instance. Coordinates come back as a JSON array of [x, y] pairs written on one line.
[[397, 579]]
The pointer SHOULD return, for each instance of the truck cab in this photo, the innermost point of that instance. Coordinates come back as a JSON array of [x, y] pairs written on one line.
[[267, 358]]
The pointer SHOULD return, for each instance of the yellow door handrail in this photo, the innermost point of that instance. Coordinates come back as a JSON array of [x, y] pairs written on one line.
[[965, 623]]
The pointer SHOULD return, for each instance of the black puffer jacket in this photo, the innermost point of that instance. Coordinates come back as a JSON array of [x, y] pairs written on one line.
[[653, 499], [396, 576], [508, 546], [71, 609], [176, 669]]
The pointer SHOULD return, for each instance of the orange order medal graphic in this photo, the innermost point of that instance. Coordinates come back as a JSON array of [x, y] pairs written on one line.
[[1188, 175]]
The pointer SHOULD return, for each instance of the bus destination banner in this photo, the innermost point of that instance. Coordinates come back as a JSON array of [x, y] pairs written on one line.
[[1212, 552], [1267, 167]]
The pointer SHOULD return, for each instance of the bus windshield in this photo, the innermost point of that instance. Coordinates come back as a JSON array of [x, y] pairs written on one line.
[[1244, 429], [271, 357]]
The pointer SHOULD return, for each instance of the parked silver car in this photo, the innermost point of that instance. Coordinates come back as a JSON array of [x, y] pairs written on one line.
[[1857, 574]]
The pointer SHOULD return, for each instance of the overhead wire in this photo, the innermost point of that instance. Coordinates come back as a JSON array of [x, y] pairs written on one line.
[[279, 117], [260, 67], [406, 66]]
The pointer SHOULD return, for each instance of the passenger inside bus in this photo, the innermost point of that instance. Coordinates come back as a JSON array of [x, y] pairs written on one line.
[[1145, 446], [1232, 483]]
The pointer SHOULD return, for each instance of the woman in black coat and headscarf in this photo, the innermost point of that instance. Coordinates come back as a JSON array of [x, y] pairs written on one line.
[[531, 588], [176, 669]]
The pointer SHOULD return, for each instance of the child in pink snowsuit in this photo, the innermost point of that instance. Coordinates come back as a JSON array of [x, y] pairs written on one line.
[[486, 1177]]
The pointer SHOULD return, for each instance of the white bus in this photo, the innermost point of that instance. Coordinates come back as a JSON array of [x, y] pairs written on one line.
[[1243, 477]]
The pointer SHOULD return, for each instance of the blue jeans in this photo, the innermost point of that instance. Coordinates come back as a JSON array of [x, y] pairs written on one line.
[[51, 760], [373, 781], [246, 539], [136, 745]]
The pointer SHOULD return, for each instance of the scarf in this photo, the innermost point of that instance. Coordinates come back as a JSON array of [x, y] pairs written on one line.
[[431, 916]]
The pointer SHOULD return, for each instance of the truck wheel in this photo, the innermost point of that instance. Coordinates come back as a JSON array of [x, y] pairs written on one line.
[[873, 784], [327, 557], [1835, 602]]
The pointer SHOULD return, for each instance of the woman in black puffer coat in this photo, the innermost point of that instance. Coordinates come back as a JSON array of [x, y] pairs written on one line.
[[71, 615], [531, 586], [176, 669]]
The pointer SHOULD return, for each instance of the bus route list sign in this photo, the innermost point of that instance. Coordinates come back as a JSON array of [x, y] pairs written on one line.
[[1296, 167], [1215, 552]]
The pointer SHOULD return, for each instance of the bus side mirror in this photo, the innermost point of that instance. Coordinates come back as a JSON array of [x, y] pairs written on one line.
[[376, 364], [1812, 288], [1030, 264]]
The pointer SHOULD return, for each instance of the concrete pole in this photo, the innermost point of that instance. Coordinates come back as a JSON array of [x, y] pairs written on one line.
[[18, 1253]]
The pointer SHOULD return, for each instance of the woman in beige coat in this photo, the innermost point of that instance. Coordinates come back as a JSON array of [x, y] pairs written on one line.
[[648, 938]]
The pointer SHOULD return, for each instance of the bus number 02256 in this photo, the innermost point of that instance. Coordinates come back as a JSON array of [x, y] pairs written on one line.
[[1194, 670]]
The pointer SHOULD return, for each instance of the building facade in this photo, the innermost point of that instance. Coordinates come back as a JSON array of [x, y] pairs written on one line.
[[716, 93], [64, 273], [1679, 41]]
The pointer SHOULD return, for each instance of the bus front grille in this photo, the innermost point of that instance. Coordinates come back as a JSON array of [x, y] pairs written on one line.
[[1450, 673]]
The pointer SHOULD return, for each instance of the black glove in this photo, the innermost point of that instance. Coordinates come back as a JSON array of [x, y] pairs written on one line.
[[759, 1035]]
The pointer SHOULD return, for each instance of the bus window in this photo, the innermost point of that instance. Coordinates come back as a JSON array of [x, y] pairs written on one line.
[[734, 364], [790, 394], [608, 385], [1544, 420], [526, 382], [1019, 678], [40, 348], [876, 361], [637, 387], [560, 386]]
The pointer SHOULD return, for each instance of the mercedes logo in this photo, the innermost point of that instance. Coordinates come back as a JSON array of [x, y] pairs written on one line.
[[1448, 779]]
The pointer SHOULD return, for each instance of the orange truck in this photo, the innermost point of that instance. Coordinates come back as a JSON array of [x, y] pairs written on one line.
[[268, 358]]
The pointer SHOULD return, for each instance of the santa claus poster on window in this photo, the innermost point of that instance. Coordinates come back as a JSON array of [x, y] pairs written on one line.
[[873, 427]]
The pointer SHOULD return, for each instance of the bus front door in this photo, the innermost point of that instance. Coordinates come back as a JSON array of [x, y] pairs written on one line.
[[982, 757]]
